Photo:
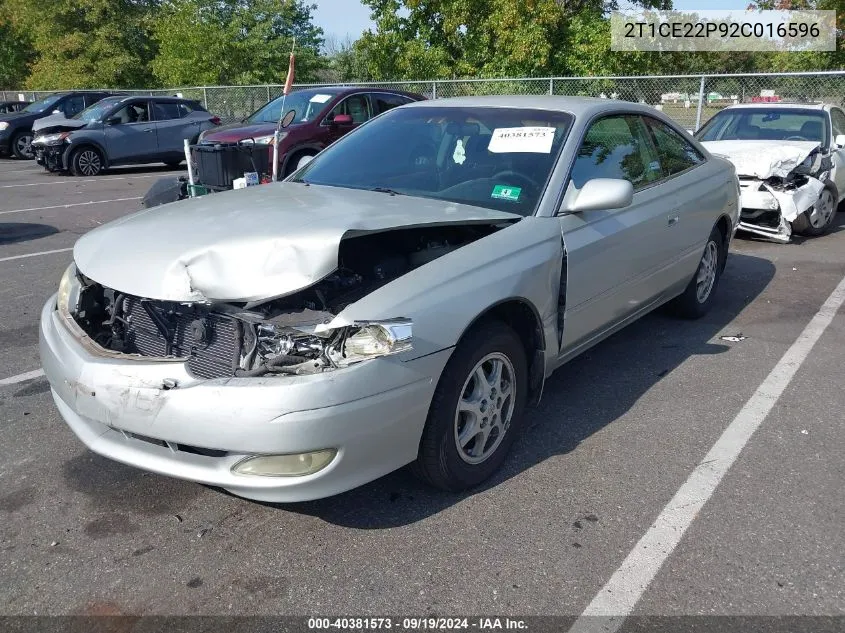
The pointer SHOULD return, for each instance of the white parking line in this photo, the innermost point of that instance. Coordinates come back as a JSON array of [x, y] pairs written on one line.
[[615, 601], [35, 373], [73, 181], [66, 206], [58, 250]]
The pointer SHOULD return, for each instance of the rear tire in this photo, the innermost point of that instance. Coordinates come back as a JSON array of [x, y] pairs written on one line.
[[86, 161], [476, 411], [817, 220], [697, 299], [22, 146]]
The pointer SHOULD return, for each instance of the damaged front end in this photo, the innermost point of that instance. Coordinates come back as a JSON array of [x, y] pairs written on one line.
[[50, 150], [778, 183], [290, 335]]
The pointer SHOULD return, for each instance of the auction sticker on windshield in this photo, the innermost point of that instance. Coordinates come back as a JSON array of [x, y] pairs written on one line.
[[503, 192], [534, 140], [320, 98]]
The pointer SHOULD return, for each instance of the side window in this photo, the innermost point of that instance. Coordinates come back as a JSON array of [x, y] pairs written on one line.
[[616, 147], [166, 110], [134, 113], [837, 118], [73, 105], [673, 151], [357, 106], [92, 98], [383, 102]]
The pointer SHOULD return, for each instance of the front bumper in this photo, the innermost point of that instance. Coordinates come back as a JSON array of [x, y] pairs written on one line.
[[373, 413], [5, 142], [51, 157], [769, 212]]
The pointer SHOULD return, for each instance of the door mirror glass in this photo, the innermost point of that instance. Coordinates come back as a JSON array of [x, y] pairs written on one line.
[[840, 140], [288, 118], [112, 120], [600, 194], [342, 119]]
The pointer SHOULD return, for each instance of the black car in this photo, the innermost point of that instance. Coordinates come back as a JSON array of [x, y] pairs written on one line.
[[16, 128], [10, 107]]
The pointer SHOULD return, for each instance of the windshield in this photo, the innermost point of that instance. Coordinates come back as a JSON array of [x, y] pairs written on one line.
[[307, 104], [98, 110], [42, 104], [497, 158], [765, 124]]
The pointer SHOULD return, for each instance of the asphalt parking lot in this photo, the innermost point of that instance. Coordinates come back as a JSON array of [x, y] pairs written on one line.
[[618, 433]]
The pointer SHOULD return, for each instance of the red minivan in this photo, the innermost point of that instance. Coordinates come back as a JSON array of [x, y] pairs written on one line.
[[323, 115]]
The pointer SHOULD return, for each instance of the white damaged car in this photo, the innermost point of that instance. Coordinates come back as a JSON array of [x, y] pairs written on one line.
[[790, 159]]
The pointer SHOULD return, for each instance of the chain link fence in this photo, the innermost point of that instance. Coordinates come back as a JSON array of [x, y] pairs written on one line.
[[688, 99]]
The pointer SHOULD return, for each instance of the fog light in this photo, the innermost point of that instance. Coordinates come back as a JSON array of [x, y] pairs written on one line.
[[296, 465]]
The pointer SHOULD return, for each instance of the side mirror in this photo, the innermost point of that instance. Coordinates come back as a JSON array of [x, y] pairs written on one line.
[[840, 140], [599, 194], [342, 119], [112, 120]]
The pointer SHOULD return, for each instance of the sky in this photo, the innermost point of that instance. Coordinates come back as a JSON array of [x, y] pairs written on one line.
[[340, 18]]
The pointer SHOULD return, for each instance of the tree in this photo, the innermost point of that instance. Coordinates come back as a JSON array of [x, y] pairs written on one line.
[[234, 41], [15, 52], [85, 43], [423, 39]]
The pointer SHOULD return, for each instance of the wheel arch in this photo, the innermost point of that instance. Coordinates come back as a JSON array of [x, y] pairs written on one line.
[[75, 147], [522, 316], [296, 151]]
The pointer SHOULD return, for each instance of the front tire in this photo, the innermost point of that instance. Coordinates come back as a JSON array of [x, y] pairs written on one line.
[[476, 411], [697, 299], [816, 220], [86, 161], [22, 146], [300, 160]]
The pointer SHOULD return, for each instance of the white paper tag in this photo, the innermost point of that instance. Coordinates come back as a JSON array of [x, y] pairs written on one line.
[[320, 98], [512, 140]]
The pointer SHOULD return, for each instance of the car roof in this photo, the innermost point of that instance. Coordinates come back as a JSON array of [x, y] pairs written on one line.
[[579, 106], [343, 90], [793, 105]]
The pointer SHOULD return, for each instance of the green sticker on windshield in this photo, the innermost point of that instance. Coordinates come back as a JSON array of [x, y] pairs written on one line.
[[503, 192]]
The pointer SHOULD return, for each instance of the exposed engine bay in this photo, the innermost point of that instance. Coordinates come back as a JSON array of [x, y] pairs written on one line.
[[280, 336]]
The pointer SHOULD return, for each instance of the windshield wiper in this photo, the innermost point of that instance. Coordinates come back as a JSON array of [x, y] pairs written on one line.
[[386, 190]]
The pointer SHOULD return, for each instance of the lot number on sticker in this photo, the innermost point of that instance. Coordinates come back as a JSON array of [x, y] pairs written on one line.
[[501, 192], [511, 140]]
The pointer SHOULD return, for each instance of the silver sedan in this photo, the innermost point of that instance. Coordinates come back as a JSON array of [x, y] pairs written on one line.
[[399, 300]]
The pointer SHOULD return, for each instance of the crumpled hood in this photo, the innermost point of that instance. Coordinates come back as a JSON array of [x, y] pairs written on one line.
[[763, 159], [58, 121], [250, 244]]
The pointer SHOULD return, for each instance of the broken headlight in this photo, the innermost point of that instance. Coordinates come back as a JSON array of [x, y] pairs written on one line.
[[51, 139], [370, 339], [67, 298]]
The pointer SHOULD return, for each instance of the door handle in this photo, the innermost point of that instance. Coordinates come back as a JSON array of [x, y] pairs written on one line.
[[673, 220], [148, 129]]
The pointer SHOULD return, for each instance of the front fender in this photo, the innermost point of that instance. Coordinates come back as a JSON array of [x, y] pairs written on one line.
[[522, 261]]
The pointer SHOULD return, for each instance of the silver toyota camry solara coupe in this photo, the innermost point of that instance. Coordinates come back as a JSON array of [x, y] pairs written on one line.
[[398, 300]]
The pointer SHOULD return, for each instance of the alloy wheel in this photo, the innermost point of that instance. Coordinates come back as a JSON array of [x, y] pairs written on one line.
[[822, 210], [23, 145], [707, 271], [485, 408], [89, 163]]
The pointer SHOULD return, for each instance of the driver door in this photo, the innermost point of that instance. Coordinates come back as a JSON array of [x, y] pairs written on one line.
[[612, 254], [132, 135]]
